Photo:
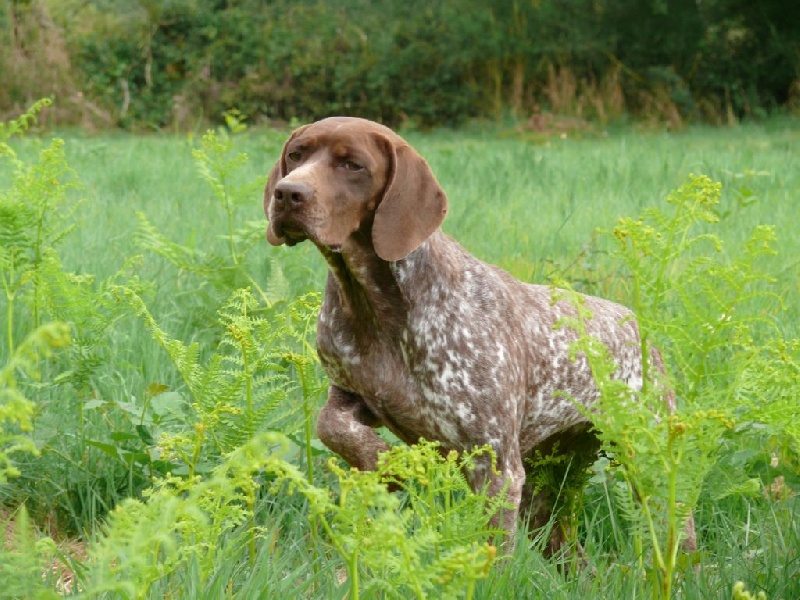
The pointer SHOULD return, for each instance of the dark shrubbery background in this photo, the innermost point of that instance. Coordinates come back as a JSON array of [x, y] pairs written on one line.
[[155, 63]]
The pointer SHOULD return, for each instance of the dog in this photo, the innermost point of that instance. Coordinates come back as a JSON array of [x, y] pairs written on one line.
[[418, 336]]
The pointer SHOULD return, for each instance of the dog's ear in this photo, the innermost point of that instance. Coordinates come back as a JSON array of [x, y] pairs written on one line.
[[277, 173], [413, 204]]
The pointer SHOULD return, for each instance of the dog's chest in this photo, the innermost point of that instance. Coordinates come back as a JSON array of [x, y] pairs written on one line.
[[438, 372]]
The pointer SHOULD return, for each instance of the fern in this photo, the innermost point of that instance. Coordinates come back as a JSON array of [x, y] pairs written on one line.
[[183, 522], [434, 546], [768, 386], [698, 305], [90, 307], [20, 125], [243, 387], [16, 411], [631, 510], [389, 548], [34, 216], [705, 310], [27, 567], [220, 166], [208, 266]]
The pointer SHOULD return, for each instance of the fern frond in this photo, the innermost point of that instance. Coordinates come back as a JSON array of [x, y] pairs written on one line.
[[22, 123], [192, 260], [16, 411]]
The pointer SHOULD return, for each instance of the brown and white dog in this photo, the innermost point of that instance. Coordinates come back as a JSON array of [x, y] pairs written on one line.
[[419, 336]]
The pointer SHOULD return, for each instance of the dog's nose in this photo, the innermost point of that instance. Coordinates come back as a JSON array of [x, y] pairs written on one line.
[[292, 193]]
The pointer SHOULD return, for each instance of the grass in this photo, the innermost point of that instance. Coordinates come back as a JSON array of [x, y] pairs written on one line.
[[531, 205]]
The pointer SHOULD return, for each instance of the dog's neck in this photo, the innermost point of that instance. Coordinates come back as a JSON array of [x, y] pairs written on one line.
[[366, 284]]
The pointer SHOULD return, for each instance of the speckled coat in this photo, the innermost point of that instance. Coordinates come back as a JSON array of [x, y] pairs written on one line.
[[419, 336]]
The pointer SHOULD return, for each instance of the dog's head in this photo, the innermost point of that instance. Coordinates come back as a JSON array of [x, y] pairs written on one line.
[[342, 175]]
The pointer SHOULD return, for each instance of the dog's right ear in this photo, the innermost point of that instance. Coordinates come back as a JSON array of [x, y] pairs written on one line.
[[277, 173]]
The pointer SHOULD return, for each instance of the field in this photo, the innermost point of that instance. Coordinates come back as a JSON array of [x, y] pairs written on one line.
[[189, 405]]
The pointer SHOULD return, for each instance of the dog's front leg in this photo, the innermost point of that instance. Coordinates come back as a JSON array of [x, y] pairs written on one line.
[[346, 426]]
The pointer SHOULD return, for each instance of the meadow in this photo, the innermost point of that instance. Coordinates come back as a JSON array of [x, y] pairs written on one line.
[[159, 443]]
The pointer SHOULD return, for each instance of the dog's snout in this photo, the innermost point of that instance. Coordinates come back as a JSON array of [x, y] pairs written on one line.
[[292, 193]]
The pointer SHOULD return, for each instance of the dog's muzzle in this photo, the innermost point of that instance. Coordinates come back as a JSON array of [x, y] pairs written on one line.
[[289, 201]]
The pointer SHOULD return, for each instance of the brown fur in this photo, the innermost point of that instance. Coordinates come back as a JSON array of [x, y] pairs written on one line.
[[419, 336]]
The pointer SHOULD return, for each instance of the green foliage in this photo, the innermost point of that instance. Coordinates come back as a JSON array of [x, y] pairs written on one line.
[[34, 216], [24, 567], [741, 593], [434, 545], [152, 64], [158, 427], [712, 314], [180, 523], [706, 312], [664, 458], [16, 411], [218, 164], [240, 389], [715, 304], [194, 525], [221, 167], [18, 126], [768, 387], [263, 354]]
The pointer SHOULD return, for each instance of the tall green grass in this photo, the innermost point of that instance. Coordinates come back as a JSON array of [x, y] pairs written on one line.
[[134, 405], [531, 206]]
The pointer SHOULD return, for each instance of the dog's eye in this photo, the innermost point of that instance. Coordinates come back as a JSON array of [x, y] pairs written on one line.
[[294, 156], [352, 166]]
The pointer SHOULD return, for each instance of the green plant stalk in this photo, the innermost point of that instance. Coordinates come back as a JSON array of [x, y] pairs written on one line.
[[307, 428], [665, 561], [470, 589], [249, 403], [10, 297], [337, 546], [198, 447], [352, 567], [609, 505], [638, 542], [633, 498], [637, 299], [672, 523], [37, 261], [307, 408], [9, 318], [262, 294], [251, 508], [665, 567], [657, 557], [447, 512], [229, 210], [352, 559], [248, 386], [432, 515], [308, 433], [420, 593]]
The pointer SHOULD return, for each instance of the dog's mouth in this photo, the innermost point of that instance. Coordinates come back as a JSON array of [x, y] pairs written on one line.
[[292, 233]]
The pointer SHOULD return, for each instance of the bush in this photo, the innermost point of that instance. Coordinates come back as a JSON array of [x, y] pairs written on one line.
[[149, 64]]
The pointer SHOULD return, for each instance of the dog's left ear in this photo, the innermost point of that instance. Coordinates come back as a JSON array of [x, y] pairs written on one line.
[[412, 208], [277, 173]]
